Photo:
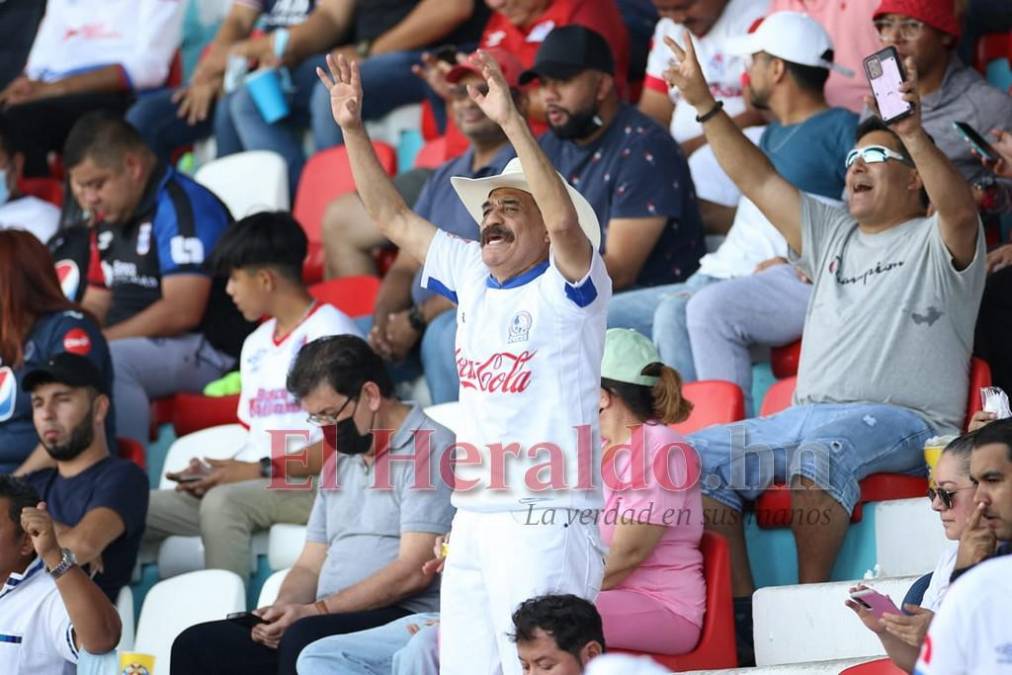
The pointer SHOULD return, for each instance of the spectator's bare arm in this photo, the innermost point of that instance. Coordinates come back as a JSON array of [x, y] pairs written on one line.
[[327, 25], [742, 161], [92, 534], [184, 299], [97, 301], [96, 624], [630, 241], [950, 194], [300, 582], [237, 26], [429, 22], [386, 207]]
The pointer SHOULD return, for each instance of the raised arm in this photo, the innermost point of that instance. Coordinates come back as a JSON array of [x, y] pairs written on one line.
[[386, 207], [570, 246], [948, 191], [743, 162]]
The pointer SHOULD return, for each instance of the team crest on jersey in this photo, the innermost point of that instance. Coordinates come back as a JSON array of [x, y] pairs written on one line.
[[70, 277], [144, 239], [520, 328], [8, 393]]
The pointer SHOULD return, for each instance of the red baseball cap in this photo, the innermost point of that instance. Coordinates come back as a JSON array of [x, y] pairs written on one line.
[[510, 66], [940, 14]]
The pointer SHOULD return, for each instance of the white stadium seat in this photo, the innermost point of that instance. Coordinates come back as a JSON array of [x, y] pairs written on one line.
[[284, 544], [809, 622], [269, 591], [125, 609], [909, 537], [174, 605], [248, 182]]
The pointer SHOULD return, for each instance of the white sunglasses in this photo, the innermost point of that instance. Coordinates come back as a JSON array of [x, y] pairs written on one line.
[[873, 154]]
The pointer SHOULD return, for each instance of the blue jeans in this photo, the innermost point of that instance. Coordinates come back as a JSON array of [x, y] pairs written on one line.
[[386, 650], [439, 358], [659, 312], [387, 82], [284, 137], [155, 117], [832, 444]]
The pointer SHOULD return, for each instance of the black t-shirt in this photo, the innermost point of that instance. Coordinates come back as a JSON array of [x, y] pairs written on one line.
[[111, 483]]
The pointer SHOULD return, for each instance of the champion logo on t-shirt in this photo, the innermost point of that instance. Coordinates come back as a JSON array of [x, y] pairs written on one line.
[[503, 372], [8, 393], [76, 341], [879, 268]]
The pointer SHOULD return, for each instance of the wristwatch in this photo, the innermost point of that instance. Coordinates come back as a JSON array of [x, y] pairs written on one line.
[[265, 467], [363, 48], [67, 560], [416, 319]]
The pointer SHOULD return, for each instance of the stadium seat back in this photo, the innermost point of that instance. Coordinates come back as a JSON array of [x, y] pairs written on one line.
[[174, 605], [716, 647], [269, 591], [248, 182], [876, 667], [784, 360], [46, 189], [713, 402], [432, 154], [779, 397], [355, 296], [133, 450], [193, 412]]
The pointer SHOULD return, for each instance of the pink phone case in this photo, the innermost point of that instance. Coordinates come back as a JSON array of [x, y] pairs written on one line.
[[878, 604]]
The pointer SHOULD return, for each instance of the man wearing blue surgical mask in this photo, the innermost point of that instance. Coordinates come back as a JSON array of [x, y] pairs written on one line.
[[17, 210]]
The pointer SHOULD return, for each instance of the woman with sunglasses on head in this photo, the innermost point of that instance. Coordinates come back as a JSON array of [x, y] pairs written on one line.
[[36, 322], [951, 496]]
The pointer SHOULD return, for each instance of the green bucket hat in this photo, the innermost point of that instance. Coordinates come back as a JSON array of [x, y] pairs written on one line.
[[626, 354]]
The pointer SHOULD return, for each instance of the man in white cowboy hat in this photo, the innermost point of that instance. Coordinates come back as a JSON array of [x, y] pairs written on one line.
[[531, 296]]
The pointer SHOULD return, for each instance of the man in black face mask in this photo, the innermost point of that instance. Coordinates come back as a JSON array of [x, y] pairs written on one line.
[[373, 525], [98, 501], [626, 165]]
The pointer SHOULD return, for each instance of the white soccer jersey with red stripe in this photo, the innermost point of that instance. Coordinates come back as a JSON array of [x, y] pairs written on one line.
[[265, 403]]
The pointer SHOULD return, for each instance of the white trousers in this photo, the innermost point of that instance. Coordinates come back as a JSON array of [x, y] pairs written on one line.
[[495, 562]]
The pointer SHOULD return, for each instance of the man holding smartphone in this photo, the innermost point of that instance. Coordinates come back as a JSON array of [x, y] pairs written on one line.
[[890, 286]]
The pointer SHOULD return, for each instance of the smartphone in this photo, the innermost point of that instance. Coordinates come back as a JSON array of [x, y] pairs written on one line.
[[446, 53], [978, 142], [246, 619], [885, 74], [185, 477], [876, 602]]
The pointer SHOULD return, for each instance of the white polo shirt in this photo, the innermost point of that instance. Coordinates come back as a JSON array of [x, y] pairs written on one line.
[[265, 403], [971, 632], [36, 636], [529, 360]]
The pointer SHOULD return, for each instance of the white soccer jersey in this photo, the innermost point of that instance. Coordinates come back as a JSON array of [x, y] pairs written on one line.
[[36, 636], [723, 71], [265, 403], [971, 633], [529, 359], [80, 35]]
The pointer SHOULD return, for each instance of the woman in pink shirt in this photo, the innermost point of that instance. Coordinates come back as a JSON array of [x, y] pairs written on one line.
[[653, 595]]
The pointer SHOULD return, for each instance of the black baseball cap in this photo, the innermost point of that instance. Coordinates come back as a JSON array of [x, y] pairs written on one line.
[[65, 368], [567, 52]]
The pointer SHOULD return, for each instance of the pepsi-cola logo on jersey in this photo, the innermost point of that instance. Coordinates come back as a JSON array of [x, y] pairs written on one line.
[[77, 341], [69, 275], [8, 393]]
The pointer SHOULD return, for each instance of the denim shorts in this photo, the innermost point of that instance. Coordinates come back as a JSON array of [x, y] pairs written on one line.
[[833, 445]]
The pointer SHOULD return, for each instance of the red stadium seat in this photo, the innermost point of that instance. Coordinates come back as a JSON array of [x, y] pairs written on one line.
[[193, 412], [992, 47], [161, 413], [716, 648], [877, 667], [128, 448], [713, 402], [784, 360], [355, 296], [773, 508], [48, 189], [327, 175], [432, 154]]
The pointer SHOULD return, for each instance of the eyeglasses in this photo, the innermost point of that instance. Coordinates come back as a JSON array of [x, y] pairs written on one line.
[[945, 496], [908, 29], [873, 154], [331, 420], [459, 91]]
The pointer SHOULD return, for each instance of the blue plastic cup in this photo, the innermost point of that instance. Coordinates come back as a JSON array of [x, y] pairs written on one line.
[[268, 94]]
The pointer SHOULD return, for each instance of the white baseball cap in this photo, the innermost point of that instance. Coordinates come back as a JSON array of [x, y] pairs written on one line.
[[474, 192], [791, 36]]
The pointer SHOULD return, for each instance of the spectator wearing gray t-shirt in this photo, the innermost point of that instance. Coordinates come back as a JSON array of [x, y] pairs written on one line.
[[888, 332], [374, 522]]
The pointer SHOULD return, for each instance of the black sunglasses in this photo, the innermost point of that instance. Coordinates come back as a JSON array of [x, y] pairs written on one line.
[[945, 495]]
